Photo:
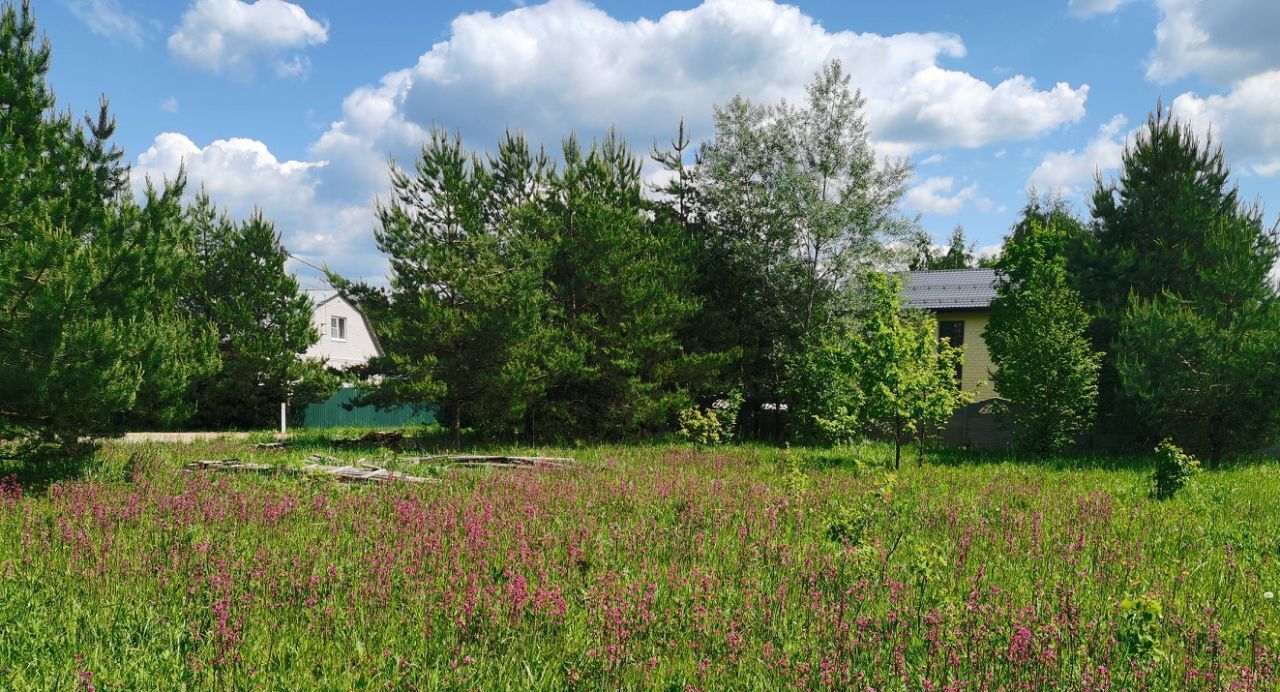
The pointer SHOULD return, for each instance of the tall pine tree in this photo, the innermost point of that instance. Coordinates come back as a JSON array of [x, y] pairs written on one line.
[[92, 330], [461, 322], [263, 321], [620, 282], [1177, 272]]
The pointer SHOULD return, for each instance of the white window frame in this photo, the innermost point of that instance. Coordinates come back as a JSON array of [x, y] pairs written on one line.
[[337, 328]]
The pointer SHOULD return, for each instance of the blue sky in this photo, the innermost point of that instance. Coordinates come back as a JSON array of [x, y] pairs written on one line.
[[294, 108]]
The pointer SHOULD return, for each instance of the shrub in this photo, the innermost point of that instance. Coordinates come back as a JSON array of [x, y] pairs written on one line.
[[797, 481], [702, 428], [849, 524], [1139, 627], [1174, 469]]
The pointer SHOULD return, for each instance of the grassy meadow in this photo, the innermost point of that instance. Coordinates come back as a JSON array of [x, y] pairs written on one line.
[[640, 567]]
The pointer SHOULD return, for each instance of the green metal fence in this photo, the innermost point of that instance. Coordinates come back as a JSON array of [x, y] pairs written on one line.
[[333, 413]]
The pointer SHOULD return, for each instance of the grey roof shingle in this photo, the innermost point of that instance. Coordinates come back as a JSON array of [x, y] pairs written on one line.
[[949, 289]]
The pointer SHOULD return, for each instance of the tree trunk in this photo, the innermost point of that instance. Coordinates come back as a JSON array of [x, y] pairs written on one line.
[[455, 429], [897, 443]]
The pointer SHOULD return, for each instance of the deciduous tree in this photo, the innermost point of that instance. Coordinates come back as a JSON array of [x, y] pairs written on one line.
[[1045, 365]]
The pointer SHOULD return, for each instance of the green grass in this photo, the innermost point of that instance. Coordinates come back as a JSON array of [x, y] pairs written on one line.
[[644, 566]]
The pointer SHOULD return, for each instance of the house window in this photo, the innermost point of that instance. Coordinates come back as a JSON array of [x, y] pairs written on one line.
[[953, 331], [338, 328]]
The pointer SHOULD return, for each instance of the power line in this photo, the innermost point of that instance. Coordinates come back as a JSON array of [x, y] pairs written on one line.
[[319, 269]]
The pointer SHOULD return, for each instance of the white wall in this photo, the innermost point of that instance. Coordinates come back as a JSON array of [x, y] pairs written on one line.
[[358, 346]]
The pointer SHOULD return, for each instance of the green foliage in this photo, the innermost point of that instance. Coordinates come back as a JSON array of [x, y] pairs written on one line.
[[823, 386], [1174, 469], [1141, 619], [533, 301], [263, 319], [90, 281], [851, 523], [619, 285], [1045, 365], [787, 207], [906, 376], [701, 427], [461, 323], [796, 480], [1177, 274], [957, 255]]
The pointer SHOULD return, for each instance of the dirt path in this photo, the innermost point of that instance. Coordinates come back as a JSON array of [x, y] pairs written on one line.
[[184, 437]]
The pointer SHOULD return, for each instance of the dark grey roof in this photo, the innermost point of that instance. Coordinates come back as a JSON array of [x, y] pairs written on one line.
[[949, 289]]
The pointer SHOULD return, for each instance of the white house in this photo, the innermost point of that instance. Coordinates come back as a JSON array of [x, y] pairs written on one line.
[[346, 338]]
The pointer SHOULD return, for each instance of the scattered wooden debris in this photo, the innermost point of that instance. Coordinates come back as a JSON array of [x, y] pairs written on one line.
[[365, 473], [270, 445], [229, 465], [379, 438], [360, 473], [475, 460]]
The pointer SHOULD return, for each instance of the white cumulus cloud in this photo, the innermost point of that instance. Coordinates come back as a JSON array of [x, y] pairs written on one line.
[[237, 38], [1246, 120], [567, 65], [1089, 8], [242, 175], [106, 18], [1224, 40], [939, 196], [1066, 173]]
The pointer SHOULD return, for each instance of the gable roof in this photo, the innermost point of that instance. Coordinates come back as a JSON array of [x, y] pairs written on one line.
[[949, 289], [320, 296]]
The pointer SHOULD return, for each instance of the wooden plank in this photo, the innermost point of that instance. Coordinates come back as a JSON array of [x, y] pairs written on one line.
[[360, 473], [491, 460], [229, 465]]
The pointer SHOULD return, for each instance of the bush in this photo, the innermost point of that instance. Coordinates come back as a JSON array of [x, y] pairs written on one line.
[[1174, 469], [700, 427]]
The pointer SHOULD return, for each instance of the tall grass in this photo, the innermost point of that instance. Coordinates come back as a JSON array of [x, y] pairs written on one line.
[[644, 566]]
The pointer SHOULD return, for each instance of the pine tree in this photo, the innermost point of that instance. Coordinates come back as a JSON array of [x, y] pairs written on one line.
[[1045, 364], [1173, 252], [620, 283], [959, 254], [92, 330], [461, 322], [263, 321]]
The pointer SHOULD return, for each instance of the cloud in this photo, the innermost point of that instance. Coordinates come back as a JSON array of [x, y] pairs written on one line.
[[106, 18], [242, 175], [1231, 43], [169, 105], [988, 251], [1244, 120], [1066, 172], [935, 196], [567, 65], [1089, 8], [236, 38], [1223, 40]]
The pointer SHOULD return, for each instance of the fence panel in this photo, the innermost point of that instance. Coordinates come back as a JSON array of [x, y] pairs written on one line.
[[333, 413]]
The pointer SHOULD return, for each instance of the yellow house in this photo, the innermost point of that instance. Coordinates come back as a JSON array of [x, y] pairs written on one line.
[[960, 300]]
